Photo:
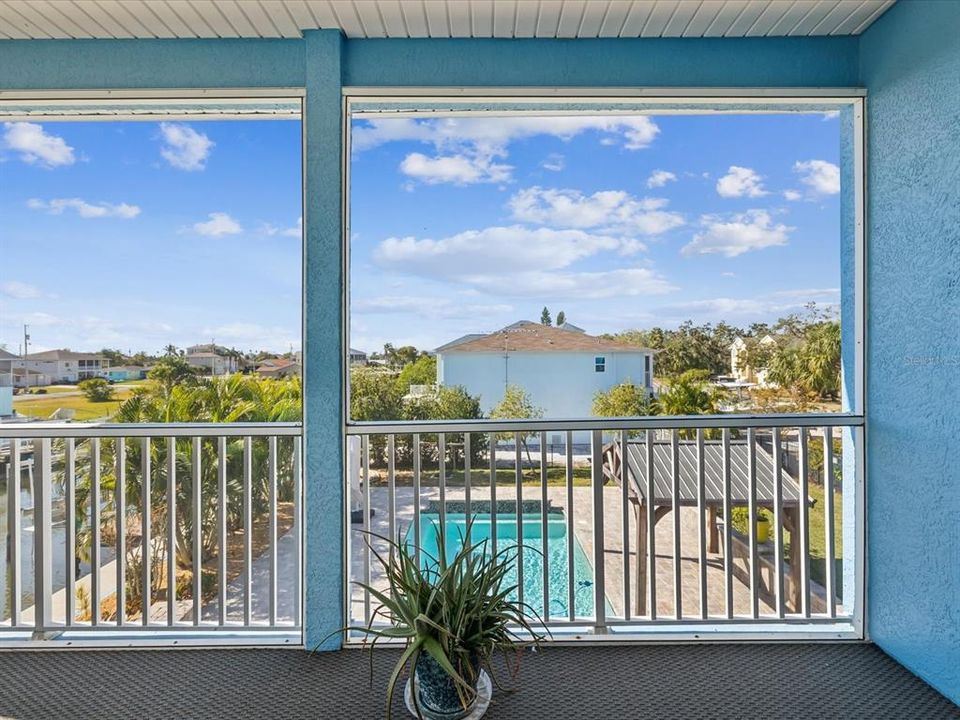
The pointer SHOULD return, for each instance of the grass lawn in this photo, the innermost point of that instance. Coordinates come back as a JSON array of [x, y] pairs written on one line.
[[43, 407]]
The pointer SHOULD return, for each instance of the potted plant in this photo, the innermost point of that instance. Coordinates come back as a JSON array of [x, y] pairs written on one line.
[[453, 614]]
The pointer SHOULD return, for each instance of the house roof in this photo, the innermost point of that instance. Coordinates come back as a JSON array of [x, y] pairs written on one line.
[[63, 355], [5, 355], [276, 364], [527, 336]]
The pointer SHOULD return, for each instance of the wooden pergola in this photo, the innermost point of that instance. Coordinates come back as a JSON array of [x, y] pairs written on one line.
[[688, 484]]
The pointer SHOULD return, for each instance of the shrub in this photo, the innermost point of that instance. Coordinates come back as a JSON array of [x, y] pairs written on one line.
[[96, 390]]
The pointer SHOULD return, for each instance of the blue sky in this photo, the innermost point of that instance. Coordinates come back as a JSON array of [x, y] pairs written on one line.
[[468, 224], [138, 234], [133, 235]]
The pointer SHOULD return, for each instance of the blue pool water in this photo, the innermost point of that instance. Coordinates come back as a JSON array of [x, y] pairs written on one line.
[[532, 556]]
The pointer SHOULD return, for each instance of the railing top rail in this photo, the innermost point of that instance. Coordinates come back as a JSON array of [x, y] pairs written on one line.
[[655, 422], [81, 430]]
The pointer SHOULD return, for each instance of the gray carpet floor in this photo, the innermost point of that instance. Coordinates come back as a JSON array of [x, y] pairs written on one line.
[[755, 682]]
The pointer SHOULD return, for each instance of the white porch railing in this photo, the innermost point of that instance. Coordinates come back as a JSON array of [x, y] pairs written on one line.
[[139, 529], [607, 547]]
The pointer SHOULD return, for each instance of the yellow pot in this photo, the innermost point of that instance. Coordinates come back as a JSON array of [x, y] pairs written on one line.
[[763, 530]]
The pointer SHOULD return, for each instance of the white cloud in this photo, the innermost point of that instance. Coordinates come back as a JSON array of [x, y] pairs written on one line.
[[243, 334], [219, 224], [554, 162], [293, 231], [491, 250], [516, 261], [492, 134], [455, 169], [18, 290], [819, 175], [792, 195], [433, 308], [831, 115], [35, 146], [743, 232], [184, 148], [659, 178], [58, 206], [740, 182], [623, 282], [614, 210]]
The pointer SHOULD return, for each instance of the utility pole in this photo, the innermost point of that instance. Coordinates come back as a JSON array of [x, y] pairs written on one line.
[[26, 340]]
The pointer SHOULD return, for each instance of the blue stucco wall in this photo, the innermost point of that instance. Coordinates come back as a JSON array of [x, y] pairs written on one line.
[[911, 66]]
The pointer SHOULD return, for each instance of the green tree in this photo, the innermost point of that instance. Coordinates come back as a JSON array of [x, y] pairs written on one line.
[[623, 400], [516, 405], [171, 370], [561, 318], [96, 390], [545, 317], [422, 371], [690, 393], [114, 356]]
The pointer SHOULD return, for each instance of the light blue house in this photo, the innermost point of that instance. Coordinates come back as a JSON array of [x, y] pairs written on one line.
[[561, 369], [891, 73], [121, 373]]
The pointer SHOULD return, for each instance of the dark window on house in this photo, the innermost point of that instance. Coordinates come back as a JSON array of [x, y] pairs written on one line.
[[600, 364]]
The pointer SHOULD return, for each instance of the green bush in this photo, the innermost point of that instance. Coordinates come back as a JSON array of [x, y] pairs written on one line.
[[740, 518], [96, 390]]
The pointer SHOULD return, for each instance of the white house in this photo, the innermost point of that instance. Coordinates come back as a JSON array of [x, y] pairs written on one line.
[[277, 368], [740, 369], [560, 369], [58, 366], [212, 363]]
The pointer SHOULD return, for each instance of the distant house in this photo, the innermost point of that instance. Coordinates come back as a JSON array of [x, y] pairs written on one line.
[[277, 368], [560, 369], [121, 373], [740, 370], [358, 357], [212, 359], [58, 366]]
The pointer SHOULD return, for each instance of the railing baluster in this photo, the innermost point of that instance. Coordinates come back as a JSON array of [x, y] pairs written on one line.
[[804, 530], [625, 521], [752, 515], [247, 530], [146, 596], [544, 526], [727, 531], [493, 493], [222, 529], [599, 548], [416, 496], [571, 578], [171, 530], [675, 508], [70, 531], [651, 535], [42, 537], [120, 515], [442, 472], [272, 522], [778, 525], [701, 525], [518, 468], [298, 525], [828, 522], [195, 487], [14, 521], [467, 479], [365, 501], [392, 487], [95, 532]]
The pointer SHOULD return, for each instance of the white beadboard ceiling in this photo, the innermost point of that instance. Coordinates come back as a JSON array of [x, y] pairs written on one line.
[[54, 19]]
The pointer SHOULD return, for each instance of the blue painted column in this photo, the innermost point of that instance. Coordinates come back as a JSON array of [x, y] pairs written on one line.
[[323, 344]]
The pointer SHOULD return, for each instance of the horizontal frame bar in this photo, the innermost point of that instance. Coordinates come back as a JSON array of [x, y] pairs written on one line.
[[27, 431], [655, 422]]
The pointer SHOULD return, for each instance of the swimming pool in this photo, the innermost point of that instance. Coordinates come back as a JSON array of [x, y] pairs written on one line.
[[532, 555]]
